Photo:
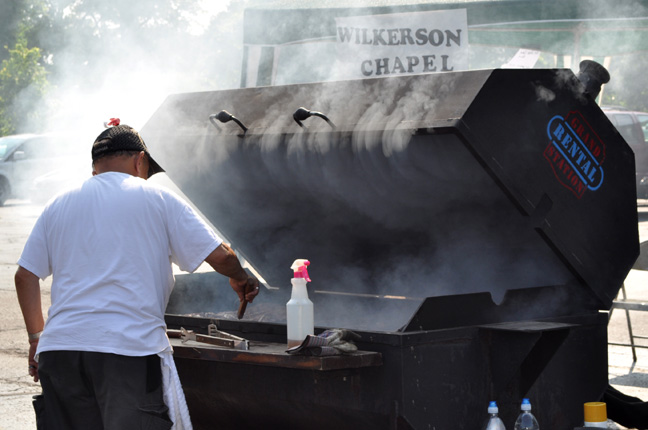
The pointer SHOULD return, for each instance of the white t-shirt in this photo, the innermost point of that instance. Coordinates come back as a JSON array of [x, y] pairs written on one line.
[[109, 245]]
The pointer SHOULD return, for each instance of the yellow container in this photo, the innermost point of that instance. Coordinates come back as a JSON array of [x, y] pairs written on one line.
[[595, 414]]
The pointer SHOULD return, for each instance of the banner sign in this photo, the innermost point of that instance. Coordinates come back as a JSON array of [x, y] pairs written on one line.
[[523, 59], [401, 43]]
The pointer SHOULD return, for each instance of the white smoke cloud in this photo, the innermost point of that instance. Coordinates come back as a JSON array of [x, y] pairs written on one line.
[[130, 76]]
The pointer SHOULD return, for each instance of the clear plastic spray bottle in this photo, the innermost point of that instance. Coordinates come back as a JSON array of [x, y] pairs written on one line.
[[299, 309]]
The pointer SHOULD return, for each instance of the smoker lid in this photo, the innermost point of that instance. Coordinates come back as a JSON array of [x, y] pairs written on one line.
[[523, 158]]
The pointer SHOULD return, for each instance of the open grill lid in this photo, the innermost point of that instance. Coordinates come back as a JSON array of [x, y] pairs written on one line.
[[418, 186]]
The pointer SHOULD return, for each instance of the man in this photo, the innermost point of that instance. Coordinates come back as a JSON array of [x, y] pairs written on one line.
[[109, 244]]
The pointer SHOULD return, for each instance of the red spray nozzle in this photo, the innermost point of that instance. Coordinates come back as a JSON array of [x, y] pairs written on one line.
[[299, 268]]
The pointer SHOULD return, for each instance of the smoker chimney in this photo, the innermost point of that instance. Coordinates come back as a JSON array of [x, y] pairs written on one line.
[[593, 75]]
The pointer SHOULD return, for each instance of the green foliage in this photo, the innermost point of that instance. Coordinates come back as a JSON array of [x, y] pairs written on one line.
[[23, 74], [95, 35], [23, 81], [10, 19], [80, 44]]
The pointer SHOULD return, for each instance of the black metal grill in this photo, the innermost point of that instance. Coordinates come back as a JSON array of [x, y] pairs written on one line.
[[449, 219]]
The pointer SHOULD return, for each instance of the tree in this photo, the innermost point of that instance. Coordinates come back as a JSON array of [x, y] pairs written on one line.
[[23, 81], [79, 45], [23, 70], [627, 87], [10, 19], [90, 38]]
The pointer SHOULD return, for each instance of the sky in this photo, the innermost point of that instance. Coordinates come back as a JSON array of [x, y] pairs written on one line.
[[212, 8]]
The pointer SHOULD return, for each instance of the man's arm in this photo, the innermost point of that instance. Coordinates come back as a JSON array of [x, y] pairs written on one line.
[[29, 298], [224, 261]]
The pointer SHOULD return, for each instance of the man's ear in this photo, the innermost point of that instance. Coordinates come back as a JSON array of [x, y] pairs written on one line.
[[141, 166]]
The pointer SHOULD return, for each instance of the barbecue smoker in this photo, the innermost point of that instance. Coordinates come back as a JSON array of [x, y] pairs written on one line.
[[470, 226]]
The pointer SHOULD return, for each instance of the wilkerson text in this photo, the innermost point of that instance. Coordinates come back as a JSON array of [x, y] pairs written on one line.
[[399, 36]]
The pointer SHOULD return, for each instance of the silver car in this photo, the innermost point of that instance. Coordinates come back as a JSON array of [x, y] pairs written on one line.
[[25, 157], [633, 126]]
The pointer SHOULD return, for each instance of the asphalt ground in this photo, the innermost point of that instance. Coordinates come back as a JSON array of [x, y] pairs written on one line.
[[17, 218]]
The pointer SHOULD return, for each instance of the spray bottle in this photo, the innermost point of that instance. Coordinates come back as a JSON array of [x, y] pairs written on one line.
[[299, 309]]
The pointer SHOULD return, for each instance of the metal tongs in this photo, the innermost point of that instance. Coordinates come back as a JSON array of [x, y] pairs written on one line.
[[215, 337]]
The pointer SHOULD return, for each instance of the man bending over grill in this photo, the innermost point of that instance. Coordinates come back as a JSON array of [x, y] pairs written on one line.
[[103, 358]]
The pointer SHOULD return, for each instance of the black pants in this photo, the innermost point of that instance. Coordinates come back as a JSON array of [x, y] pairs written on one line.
[[626, 410], [91, 390]]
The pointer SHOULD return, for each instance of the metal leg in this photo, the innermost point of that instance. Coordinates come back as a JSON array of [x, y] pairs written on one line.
[[632, 344], [629, 321], [627, 312]]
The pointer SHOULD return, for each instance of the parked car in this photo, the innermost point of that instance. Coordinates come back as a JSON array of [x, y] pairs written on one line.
[[633, 126], [25, 157], [46, 186]]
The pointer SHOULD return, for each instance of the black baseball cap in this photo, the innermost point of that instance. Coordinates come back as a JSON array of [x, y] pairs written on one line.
[[122, 138]]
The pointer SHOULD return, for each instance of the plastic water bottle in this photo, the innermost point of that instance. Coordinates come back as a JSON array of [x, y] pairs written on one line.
[[494, 421], [526, 420]]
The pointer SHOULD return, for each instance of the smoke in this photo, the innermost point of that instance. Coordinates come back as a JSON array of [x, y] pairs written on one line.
[[545, 94], [130, 74], [122, 60], [378, 210]]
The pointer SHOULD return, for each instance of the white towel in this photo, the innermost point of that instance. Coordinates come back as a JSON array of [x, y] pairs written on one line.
[[173, 394]]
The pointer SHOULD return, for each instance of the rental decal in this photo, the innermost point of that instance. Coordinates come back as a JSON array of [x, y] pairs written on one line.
[[575, 153]]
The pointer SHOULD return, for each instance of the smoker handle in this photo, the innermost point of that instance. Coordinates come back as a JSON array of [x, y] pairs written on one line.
[[224, 116], [302, 113]]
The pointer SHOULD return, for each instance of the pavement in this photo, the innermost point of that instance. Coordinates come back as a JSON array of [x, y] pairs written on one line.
[[17, 218], [625, 375], [16, 387]]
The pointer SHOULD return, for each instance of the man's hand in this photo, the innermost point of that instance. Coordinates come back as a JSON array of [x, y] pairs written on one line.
[[246, 289], [28, 291], [33, 364], [224, 261]]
